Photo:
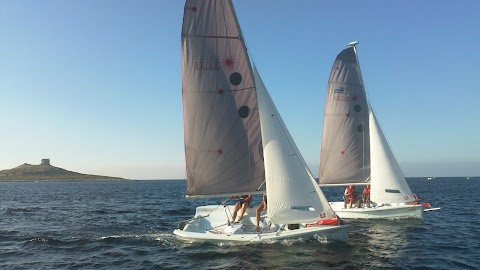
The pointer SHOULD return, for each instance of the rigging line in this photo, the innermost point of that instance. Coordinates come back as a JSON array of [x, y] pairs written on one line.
[[249, 163], [363, 150], [262, 184], [184, 193], [215, 91], [322, 168], [362, 85], [262, 231], [353, 84], [225, 207], [198, 217], [218, 226], [194, 218]]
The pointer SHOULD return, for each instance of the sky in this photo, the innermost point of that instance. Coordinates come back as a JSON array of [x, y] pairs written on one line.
[[96, 85]]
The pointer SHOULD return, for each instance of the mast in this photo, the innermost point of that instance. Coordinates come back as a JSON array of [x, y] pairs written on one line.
[[354, 45]]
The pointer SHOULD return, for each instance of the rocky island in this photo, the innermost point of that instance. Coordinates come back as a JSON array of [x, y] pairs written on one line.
[[46, 172]]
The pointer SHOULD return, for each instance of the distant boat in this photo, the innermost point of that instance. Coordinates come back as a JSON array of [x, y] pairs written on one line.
[[429, 178], [354, 150], [235, 140]]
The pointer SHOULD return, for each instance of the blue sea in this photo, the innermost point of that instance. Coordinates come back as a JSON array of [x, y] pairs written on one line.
[[129, 224]]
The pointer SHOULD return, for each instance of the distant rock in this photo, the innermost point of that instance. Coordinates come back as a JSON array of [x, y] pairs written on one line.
[[46, 172]]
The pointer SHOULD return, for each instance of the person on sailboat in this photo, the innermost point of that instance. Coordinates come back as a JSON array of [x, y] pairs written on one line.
[[260, 208], [241, 205], [365, 196], [350, 196]]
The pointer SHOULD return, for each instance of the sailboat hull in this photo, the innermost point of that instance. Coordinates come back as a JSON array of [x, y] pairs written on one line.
[[211, 225], [379, 212]]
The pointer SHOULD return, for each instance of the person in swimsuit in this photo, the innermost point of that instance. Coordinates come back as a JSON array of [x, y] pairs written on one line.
[[241, 205], [260, 208]]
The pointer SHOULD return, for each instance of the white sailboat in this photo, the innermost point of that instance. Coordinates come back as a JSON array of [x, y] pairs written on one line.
[[354, 149], [235, 140]]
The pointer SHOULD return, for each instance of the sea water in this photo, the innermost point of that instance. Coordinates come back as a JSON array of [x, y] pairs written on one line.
[[129, 225]]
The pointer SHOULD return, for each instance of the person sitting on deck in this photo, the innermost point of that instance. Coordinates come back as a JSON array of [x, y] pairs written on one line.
[[241, 205], [350, 196], [365, 196], [260, 208]]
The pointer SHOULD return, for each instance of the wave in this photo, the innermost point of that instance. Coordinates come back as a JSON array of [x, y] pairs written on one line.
[[22, 210]]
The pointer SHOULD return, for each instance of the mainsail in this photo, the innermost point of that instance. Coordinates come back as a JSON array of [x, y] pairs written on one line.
[[223, 148], [293, 195], [345, 150]]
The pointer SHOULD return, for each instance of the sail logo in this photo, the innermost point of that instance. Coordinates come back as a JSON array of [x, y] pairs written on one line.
[[212, 63], [339, 90], [208, 63], [341, 94]]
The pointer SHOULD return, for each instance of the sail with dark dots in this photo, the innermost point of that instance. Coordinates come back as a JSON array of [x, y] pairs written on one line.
[[223, 147], [345, 150]]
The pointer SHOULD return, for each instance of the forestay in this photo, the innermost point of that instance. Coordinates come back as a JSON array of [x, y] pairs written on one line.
[[345, 150], [223, 147], [293, 195]]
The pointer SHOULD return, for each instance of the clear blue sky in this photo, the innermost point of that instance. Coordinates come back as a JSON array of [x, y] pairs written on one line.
[[96, 85]]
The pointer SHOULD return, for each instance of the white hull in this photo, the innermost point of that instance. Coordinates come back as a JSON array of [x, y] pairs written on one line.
[[214, 228], [378, 212]]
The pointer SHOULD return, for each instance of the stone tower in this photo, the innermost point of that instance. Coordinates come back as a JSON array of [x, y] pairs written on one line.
[[45, 161]]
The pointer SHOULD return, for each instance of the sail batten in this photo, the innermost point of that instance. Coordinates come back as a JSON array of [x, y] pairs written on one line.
[[210, 36], [224, 194], [346, 83]]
